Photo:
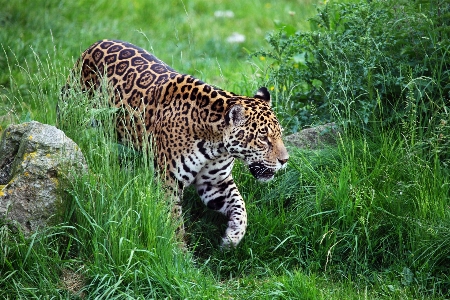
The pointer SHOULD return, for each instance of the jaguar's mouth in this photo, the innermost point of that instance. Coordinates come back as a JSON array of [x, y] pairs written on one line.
[[261, 172]]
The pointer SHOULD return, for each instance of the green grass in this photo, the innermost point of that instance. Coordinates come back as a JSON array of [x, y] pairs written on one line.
[[367, 219]]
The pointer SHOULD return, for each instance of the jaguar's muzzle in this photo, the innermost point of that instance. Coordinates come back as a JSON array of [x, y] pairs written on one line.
[[261, 172]]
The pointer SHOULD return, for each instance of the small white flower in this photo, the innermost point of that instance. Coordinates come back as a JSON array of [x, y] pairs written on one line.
[[224, 14], [236, 38]]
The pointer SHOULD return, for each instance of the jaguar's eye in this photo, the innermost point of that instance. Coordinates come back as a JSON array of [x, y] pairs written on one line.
[[263, 139], [262, 131]]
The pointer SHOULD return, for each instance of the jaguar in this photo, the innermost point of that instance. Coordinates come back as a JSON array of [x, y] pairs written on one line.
[[197, 130]]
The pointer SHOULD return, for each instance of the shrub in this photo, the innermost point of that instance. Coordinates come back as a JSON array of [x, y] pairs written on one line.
[[383, 60]]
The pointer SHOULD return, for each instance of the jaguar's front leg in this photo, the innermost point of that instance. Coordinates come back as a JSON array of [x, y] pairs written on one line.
[[225, 198]]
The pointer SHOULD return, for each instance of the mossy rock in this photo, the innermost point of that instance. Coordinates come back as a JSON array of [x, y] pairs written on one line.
[[37, 161]]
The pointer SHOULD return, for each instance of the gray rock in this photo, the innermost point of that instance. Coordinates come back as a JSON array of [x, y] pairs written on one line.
[[36, 163], [314, 137]]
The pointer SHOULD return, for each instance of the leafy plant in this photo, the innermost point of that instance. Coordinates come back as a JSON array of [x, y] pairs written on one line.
[[363, 62]]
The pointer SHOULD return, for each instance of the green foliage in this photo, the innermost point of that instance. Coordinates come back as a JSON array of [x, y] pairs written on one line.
[[371, 212], [27, 264], [367, 219], [364, 62]]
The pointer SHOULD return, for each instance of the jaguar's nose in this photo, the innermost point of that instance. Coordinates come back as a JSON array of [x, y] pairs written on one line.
[[282, 154]]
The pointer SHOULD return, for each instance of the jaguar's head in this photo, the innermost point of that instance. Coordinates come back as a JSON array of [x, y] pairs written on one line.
[[253, 134]]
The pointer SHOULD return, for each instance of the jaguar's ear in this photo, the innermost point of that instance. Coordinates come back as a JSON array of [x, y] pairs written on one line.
[[263, 94], [235, 115]]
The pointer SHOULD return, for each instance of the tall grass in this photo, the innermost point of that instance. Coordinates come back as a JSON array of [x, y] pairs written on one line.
[[382, 200], [366, 219], [361, 214], [122, 219]]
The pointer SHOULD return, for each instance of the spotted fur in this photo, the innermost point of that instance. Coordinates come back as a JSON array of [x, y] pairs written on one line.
[[196, 129]]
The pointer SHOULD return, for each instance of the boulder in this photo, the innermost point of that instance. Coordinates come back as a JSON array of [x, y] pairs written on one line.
[[314, 137], [37, 161]]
